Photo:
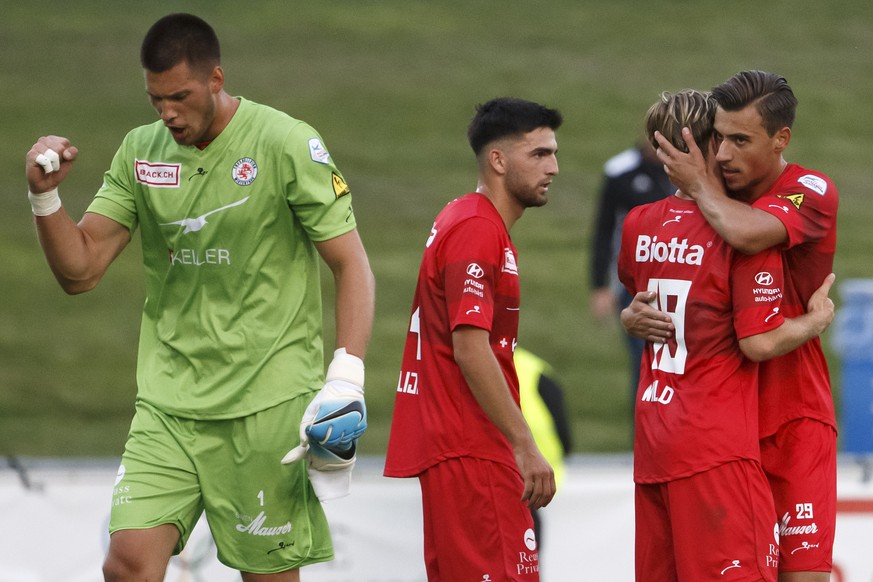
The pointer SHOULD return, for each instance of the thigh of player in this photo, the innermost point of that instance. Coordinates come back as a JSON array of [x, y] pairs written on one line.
[[476, 527], [157, 483], [264, 516], [801, 463], [723, 525]]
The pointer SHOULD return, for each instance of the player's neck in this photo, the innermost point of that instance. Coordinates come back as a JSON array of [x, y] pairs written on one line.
[[509, 210], [225, 109]]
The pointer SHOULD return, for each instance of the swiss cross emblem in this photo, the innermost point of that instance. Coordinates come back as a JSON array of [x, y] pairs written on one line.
[[244, 171]]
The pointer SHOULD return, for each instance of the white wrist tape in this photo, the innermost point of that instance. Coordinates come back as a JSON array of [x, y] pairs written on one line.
[[45, 203], [346, 367]]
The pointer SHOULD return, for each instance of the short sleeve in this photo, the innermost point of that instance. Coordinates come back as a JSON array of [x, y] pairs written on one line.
[[757, 286], [471, 256], [808, 211], [115, 199], [315, 189]]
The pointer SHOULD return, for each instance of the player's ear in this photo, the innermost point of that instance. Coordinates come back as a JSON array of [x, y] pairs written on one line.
[[781, 139], [216, 79], [497, 160]]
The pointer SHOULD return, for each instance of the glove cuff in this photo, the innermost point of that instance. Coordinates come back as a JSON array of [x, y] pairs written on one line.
[[347, 367], [331, 484]]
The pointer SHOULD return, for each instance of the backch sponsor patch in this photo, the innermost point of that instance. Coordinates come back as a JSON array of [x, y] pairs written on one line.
[[157, 174]]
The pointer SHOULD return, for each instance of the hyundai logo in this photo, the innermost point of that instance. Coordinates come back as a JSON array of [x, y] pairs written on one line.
[[762, 278], [475, 271]]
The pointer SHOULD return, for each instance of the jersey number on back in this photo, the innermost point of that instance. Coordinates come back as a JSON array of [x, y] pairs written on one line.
[[671, 297]]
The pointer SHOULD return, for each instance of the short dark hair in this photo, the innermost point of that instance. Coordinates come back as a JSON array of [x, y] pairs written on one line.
[[180, 37], [771, 94], [506, 116]]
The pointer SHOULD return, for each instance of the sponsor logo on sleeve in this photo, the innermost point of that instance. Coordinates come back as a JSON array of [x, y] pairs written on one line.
[[765, 293], [157, 174], [764, 278], [340, 188], [509, 264], [475, 271], [318, 152], [796, 199], [814, 183]]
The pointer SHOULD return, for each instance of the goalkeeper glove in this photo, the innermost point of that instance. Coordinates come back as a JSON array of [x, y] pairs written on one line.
[[331, 426]]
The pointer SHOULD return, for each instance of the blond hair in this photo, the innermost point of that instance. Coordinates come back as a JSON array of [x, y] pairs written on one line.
[[687, 108]]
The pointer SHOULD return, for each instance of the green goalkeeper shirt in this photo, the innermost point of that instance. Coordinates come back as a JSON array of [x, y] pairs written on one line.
[[232, 321]]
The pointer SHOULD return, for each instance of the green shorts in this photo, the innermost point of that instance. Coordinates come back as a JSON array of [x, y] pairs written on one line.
[[264, 516]]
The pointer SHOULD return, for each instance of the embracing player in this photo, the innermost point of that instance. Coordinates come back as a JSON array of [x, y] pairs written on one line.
[[755, 199], [696, 438]]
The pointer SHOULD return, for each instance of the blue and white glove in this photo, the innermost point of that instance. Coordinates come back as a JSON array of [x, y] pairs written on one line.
[[331, 426]]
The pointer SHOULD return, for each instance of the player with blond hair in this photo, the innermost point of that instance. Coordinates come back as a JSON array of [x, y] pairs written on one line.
[[696, 414]]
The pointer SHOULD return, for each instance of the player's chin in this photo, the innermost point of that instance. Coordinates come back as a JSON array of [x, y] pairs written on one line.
[[732, 180], [541, 198]]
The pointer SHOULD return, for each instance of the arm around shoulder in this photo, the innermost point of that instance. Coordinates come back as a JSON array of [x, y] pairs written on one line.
[[749, 230]]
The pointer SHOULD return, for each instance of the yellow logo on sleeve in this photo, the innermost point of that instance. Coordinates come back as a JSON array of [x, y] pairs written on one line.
[[340, 188], [796, 199]]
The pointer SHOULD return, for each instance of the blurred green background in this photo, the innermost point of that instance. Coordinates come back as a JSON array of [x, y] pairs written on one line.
[[391, 86]]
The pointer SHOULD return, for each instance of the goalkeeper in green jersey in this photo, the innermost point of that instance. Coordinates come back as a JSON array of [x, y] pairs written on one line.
[[236, 204]]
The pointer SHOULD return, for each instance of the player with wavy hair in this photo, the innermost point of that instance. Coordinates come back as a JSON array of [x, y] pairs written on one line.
[[755, 199], [696, 413]]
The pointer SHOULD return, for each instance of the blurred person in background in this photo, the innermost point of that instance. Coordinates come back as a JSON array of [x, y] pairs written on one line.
[[630, 178]]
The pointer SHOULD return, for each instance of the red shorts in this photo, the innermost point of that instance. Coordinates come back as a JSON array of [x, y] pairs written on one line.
[[800, 461], [715, 525], [475, 525]]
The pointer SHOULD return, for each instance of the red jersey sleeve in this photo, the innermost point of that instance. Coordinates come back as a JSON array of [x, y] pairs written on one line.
[[806, 204], [757, 284], [471, 253]]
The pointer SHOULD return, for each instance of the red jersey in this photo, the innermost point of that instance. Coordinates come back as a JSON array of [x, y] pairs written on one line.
[[468, 276], [797, 385], [697, 403]]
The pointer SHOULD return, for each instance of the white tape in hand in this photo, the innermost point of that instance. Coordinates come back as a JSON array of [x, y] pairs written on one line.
[[50, 161]]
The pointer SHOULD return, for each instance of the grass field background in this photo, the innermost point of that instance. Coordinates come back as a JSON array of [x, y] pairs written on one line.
[[391, 86]]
